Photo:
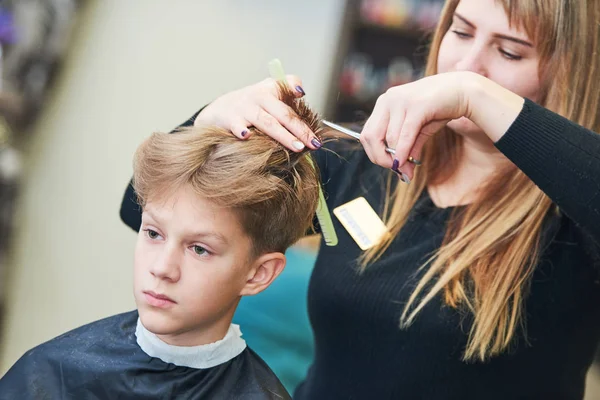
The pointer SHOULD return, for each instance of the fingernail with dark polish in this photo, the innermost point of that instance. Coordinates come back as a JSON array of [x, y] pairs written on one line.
[[401, 175], [300, 90], [316, 142], [244, 132]]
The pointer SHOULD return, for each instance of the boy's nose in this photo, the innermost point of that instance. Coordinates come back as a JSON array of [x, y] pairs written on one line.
[[167, 266]]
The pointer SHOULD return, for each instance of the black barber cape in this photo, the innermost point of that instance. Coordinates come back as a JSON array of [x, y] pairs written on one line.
[[103, 360]]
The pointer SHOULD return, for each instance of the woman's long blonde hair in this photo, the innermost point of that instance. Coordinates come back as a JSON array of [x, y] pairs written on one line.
[[491, 248]]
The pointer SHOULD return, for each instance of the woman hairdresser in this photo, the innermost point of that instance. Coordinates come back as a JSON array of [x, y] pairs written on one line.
[[486, 285]]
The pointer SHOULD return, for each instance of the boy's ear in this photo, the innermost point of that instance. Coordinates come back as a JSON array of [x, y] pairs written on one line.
[[264, 271]]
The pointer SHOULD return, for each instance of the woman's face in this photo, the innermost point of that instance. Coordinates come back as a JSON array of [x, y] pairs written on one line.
[[480, 40]]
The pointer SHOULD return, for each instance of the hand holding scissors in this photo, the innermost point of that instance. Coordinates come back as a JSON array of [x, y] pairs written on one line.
[[356, 136]]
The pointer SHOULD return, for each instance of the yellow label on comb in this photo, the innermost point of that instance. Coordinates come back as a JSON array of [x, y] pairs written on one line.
[[361, 222]]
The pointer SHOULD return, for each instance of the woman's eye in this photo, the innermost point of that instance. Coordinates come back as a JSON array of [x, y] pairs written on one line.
[[199, 250], [510, 56], [461, 35]]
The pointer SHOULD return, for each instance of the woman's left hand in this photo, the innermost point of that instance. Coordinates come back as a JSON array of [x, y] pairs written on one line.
[[406, 116]]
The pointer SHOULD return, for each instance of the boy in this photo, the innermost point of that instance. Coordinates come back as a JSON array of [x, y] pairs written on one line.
[[217, 215]]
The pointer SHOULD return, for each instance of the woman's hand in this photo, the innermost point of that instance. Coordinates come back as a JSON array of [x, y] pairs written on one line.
[[258, 105], [406, 116]]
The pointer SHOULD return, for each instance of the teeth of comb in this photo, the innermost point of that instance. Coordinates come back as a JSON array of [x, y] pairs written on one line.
[[325, 221], [323, 215]]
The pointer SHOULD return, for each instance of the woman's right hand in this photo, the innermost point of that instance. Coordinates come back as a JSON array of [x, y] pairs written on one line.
[[259, 105]]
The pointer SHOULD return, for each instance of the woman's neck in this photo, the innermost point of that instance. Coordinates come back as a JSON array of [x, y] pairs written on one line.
[[479, 161]]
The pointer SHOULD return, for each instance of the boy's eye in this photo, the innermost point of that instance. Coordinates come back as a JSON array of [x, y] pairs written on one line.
[[199, 250], [152, 234]]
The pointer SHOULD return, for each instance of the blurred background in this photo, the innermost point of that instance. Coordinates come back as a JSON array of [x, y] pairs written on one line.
[[85, 81]]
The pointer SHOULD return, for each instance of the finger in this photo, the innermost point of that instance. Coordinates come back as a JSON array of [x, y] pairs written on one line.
[[393, 133], [415, 155], [373, 135], [394, 128], [239, 128], [433, 127], [414, 158], [290, 120], [406, 173], [405, 144], [408, 136], [296, 84], [269, 125]]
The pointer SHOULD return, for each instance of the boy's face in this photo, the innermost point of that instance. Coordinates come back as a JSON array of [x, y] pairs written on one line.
[[192, 264]]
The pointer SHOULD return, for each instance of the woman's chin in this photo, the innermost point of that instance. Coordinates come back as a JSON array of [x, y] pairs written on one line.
[[465, 127]]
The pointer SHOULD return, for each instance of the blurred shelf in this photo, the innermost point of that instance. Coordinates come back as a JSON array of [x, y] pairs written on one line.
[[411, 31], [351, 101], [371, 47], [352, 110]]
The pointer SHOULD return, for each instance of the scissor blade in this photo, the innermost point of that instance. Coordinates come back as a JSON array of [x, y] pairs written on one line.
[[340, 128], [350, 132]]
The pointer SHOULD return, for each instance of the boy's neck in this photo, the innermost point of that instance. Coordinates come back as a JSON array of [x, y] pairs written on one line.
[[198, 336], [201, 356]]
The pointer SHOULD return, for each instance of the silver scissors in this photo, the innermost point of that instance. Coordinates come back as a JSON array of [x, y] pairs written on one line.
[[356, 136]]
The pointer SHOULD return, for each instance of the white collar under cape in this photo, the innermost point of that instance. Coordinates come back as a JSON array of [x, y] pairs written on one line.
[[199, 357]]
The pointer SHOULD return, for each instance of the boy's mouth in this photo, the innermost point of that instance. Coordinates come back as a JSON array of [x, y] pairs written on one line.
[[158, 300]]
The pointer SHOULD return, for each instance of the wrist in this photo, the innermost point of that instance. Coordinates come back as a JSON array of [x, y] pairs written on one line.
[[472, 91], [490, 106]]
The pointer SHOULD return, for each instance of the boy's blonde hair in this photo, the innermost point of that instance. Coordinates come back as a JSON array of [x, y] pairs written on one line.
[[273, 191]]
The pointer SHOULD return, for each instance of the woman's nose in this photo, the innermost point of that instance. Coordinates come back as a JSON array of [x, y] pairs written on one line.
[[474, 59]]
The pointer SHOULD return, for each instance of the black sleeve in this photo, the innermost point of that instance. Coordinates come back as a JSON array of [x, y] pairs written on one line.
[[131, 213], [561, 158]]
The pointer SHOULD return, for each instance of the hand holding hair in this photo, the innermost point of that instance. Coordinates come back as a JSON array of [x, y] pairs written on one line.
[[260, 106]]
